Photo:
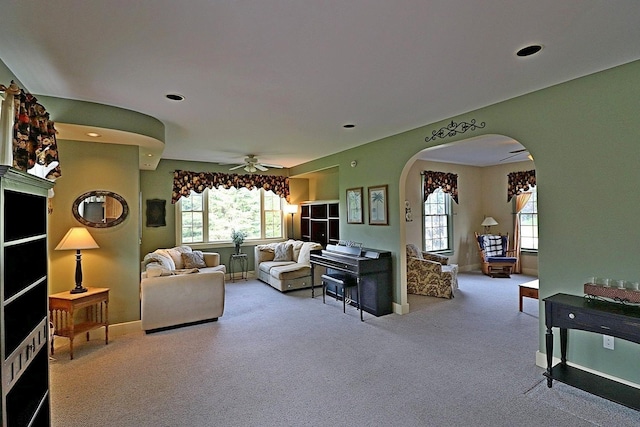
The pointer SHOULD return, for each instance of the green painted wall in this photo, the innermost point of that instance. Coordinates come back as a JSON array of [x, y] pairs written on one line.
[[584, 137], [115, 265]]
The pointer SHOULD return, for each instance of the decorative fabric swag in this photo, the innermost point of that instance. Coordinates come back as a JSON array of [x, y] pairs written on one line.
[[519, 182], [447, 181], [34, 136], [184, 182]]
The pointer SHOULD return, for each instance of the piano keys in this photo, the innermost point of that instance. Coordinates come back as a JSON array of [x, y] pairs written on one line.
[[371, 268]]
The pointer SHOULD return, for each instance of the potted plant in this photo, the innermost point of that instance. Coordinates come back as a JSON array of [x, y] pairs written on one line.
[[238, 236]]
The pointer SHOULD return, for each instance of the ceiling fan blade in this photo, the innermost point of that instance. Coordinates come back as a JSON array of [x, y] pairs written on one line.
[[509, 157], [260, 166], [236, 167], [267, 165], [518, 151]]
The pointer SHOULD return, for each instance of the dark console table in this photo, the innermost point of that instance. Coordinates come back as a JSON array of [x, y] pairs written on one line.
[[609, 318]]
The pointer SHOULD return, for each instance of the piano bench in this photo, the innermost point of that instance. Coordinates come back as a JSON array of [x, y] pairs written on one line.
[[343, 282]]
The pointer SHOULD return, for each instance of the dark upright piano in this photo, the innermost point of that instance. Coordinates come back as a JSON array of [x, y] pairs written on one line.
[[371, 268]]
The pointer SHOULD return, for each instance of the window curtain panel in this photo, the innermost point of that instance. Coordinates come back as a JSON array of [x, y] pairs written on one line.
[[519, 182], [447, 181], [184, 182], [35, 149], [521, 201]]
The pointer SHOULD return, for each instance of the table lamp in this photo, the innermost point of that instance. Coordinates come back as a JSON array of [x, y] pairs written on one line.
[[77, 238], [487, 223], [292, 209]]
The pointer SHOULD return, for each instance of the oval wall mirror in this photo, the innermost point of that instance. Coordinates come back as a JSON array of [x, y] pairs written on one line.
[[100, 209]]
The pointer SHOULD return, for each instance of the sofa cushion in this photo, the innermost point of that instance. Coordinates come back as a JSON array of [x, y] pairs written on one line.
[[283, 252], [268, 265], [297, 246], [193, 259], [290, 271]]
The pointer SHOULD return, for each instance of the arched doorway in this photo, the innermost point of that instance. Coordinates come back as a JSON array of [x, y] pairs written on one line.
[[482, 164]]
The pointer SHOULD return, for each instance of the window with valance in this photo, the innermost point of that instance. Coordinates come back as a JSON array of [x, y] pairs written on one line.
[[28, 134], [184, 182], [447, 181], [519, 182]]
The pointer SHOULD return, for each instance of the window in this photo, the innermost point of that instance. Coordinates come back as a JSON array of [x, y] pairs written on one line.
[[437, 221], [528, 218], [210, 216]]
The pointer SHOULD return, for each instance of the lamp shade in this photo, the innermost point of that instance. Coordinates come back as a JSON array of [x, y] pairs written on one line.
[[291, 209], [489, 221], [77, 238]]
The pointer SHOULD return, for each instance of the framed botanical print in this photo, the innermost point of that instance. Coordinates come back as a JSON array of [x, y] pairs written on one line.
[[354, 206], [378, 205]]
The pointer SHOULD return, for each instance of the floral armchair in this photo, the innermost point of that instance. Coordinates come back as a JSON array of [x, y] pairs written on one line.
[[430, 274]]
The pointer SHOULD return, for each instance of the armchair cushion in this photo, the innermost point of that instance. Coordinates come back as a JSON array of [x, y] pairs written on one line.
[[492, 246]]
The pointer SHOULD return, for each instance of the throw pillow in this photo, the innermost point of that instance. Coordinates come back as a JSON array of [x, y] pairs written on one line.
[[492, 246], [193, 259], [283, 252], [176, 256]]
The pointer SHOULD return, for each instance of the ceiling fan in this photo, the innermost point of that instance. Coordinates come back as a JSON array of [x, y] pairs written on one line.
[[252, 165], [514, 153]]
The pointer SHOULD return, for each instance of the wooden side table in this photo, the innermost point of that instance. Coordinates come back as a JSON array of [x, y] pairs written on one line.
[[63, 305], [529, 290]]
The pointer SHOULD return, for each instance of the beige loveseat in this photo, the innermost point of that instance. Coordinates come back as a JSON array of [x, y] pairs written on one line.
[[180, 286], [285, 265]]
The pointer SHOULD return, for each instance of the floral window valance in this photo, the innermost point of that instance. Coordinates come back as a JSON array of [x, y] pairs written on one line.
[[519, 182], [184, 182], [34, 137], [27, 136], [447, 181]]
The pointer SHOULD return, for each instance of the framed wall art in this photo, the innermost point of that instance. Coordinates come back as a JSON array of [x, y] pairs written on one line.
[[354, 206], [378, 205], [156, 213]]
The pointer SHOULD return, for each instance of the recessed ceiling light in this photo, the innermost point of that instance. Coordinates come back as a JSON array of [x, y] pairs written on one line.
[[149, 155], [529, 50], [349, 126], [175, 97], [93, 134]]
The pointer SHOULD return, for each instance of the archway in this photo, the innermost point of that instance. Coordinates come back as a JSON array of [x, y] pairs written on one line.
[[481, 163]]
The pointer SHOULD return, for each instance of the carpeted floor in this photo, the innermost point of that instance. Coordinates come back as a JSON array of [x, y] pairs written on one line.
[[278, 359]]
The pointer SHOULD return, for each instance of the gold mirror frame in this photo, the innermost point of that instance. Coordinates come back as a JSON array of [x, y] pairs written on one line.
[[100, 194]]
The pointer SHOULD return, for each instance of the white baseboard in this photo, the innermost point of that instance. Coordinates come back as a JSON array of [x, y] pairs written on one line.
[[400, 308], [541, 361]]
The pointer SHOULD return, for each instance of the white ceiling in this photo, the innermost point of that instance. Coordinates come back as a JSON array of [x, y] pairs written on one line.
[[279, 78]]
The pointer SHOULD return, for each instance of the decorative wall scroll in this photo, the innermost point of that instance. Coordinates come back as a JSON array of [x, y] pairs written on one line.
[[454, 128]]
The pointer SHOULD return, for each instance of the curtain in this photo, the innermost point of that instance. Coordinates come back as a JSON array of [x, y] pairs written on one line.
[[184, 182], [35, 149], [519, 182], [447, 181], [521, 201]]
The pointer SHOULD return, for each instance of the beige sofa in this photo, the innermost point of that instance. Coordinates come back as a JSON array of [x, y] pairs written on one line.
[[179, 286], [285, 265]]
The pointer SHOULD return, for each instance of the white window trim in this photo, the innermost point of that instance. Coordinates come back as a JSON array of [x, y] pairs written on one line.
[[226, 243]]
